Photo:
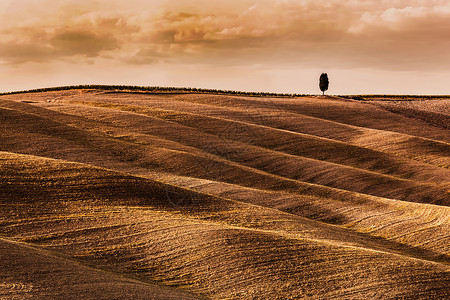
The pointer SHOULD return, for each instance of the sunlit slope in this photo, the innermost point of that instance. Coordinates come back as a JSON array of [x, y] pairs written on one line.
[[413, 229], [436, 111], [212, 246], [29, 273], [231, 197], [220, 149], [297, 115]]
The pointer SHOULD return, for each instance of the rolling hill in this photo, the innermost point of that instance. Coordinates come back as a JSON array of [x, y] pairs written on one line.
[[187, 195]]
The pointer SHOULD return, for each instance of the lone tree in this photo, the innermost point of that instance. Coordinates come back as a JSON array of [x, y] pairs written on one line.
[[323, 83]]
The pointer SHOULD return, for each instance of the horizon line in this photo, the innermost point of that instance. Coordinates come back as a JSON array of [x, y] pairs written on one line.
[[168, 89]]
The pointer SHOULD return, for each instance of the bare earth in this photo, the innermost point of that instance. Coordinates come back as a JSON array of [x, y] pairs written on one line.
[[116, 195]]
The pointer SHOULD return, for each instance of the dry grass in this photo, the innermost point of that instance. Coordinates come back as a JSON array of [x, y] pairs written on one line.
[[224, 197]]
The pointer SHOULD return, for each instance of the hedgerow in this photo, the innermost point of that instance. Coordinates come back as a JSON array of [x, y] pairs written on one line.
[[156, 89]]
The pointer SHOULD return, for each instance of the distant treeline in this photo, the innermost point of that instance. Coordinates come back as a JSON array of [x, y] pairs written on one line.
[[395, 97], [160, 89], [156, 89]]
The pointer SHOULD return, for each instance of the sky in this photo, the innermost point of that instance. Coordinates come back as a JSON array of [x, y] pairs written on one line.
[[366, 47]]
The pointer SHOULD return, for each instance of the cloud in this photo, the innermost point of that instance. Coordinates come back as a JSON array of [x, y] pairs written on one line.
[[63, 32], [24, 52], [407, 18], [385, 34], [44, 46], [73, 42], [396, 34]]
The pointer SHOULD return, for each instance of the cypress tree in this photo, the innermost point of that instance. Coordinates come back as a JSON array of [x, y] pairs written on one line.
[[323, 83]]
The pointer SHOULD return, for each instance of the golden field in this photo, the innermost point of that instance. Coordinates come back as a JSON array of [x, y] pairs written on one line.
[[185, 195]]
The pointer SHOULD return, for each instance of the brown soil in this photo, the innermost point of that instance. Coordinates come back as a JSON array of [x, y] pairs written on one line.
[[35, 273], [126, 195]]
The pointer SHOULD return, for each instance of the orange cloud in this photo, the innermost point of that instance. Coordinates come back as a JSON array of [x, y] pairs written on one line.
[[72, 42], [395, 34]]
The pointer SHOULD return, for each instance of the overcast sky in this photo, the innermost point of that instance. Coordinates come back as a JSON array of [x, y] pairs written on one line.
[[384, 46]]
